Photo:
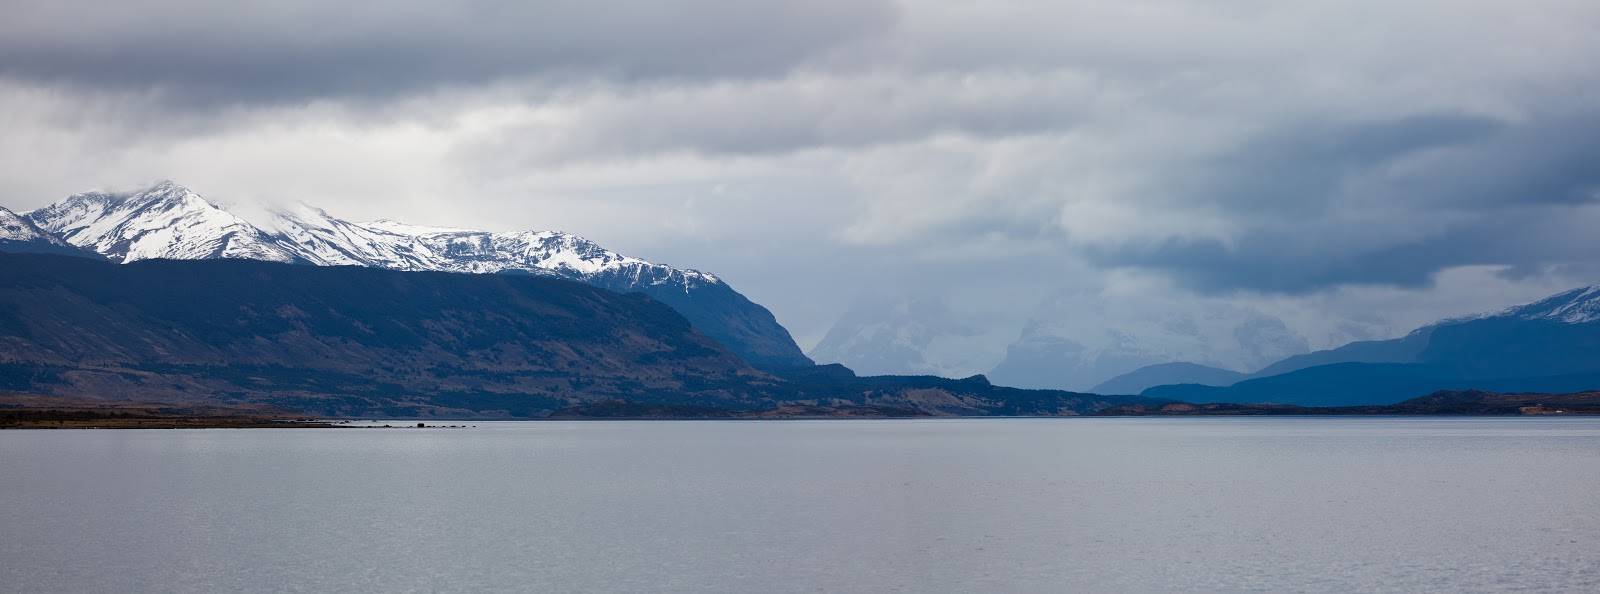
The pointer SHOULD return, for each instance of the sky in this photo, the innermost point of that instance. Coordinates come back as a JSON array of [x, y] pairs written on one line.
[[1354, 169]]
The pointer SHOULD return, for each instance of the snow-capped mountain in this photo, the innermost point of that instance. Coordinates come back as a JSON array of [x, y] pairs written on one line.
[[164, 221], [173, 222], [1578, 306], [322, 239]]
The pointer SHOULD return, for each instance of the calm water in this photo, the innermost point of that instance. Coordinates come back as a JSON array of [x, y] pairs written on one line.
[[970, 505]]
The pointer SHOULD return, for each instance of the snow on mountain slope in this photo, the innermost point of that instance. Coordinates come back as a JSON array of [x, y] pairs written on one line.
[[561, 254], [170, 221], [327, 241], [18, 234], [322, 239], [164, 221], [15, 227], [1578, 306], [404, 229]]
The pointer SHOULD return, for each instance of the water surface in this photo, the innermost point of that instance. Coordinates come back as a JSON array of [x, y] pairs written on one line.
[[1254, 504]]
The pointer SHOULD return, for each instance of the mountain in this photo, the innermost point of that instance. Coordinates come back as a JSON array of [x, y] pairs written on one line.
[[349, 340], [163, 221], [1552, 345], [1083, 340], [1149, 376], [1400, 350], [750, 330], [362, 341], [172, 222], [20, 235]]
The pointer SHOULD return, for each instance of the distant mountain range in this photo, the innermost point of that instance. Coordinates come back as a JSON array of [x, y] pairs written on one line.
[[169, 221], [1551, 345], [1080, 341], [1071, 341], [332, 330]]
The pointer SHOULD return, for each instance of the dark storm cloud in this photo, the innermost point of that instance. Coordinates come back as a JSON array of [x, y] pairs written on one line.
[[1391, 205], [252, 50], [1300, 170]]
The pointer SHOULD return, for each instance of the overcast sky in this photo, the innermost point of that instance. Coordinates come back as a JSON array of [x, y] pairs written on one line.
[[1382, 161]]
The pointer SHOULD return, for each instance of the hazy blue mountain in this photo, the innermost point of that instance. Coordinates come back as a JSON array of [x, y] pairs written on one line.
[[1399, 350], [1079, 341], [1552, 345], [1149, 376]]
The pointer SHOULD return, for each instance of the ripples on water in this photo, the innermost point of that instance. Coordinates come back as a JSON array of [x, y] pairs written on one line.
[[1269, 504]]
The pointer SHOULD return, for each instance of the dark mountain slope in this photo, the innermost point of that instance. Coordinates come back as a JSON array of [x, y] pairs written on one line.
[[363, 341], [349, 340], [745, 327]]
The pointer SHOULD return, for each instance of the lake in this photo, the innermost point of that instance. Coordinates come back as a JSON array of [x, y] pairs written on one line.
[[976, 505]]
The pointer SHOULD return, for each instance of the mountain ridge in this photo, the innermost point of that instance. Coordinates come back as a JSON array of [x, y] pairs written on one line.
[[362, 341], [170, 221], [18, 234]]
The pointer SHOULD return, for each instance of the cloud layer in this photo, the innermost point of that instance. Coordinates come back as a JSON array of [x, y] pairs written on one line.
[[1292, 155]]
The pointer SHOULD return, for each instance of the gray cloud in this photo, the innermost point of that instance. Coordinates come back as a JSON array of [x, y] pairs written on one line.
[[804, 111], [290, 50], [1389, 204], [1322, 161]]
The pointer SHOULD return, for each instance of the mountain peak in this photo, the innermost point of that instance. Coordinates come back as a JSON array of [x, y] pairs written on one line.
[[165, 220]]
